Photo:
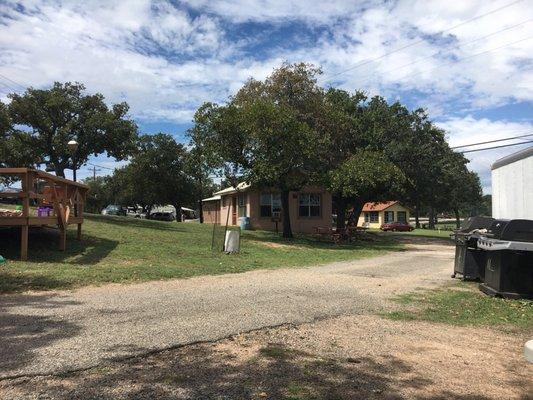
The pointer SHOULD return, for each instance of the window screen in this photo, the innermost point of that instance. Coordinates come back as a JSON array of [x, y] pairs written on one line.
[[269, 203], [309, 205], [402, 216]]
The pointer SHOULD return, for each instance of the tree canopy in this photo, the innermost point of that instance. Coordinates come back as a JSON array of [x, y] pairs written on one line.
[[50, 118], [156, 174], [267, 134], [286, 132]]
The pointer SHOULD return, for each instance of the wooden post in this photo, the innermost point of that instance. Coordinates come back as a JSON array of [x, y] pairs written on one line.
[[24, 242], [27, 184], [79, 232], [62, 237]]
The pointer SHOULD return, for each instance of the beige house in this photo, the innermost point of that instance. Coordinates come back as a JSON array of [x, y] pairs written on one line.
[[211, 209], [375, 214], [308, 208]]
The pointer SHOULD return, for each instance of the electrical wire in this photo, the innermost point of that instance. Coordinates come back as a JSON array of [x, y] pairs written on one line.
[[495, 147], [100, 166], [493, 141], [465, 58], [458, 45], [368, 61], [12, 81]]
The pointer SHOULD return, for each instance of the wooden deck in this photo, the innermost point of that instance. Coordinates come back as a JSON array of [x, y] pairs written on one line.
[[64, 197]]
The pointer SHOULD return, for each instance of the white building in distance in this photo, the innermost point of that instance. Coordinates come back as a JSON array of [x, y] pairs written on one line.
[[512, 186]]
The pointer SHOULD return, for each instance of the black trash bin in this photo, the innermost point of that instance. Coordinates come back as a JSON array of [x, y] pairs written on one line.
[[509, 267], [469, 259]]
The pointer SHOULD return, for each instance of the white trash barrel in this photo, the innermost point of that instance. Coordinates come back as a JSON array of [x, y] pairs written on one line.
[[232, 241], [528, 351]]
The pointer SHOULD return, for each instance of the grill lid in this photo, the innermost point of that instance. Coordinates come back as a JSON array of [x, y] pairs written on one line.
[[496, 229], [519, 230], [469, 224]]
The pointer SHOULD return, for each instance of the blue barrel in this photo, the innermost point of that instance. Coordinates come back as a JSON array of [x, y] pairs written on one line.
[[245, 223]]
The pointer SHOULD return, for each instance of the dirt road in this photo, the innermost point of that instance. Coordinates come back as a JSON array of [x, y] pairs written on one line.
[[54, 332]]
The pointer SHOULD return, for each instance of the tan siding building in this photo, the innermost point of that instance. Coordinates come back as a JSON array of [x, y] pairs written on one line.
[[308, 208]]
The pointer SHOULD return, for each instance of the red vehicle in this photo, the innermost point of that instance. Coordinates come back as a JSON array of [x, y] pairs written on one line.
[[397, 226]]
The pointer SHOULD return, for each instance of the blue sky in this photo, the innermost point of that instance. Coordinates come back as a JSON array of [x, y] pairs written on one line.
[[473, 74]]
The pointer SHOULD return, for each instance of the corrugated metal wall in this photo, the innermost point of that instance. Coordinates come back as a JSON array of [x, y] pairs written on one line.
[[512, 190]]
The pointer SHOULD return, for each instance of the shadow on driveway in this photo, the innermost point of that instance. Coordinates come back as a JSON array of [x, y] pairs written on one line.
[[21, 335], [206, 371]]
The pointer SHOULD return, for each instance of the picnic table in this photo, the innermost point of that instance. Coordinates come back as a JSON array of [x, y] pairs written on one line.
[[339, 235]]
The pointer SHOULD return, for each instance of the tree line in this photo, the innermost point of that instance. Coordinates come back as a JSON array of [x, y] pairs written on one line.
[[36, 126], [283, 132], [286, 132]]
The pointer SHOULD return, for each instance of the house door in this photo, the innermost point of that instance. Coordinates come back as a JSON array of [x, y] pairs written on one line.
[[234, 210]]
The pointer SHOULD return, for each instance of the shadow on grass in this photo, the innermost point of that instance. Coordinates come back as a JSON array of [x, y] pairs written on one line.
[[129, 222], [367, 241], [22, 334], [274, 372], [43, 246]]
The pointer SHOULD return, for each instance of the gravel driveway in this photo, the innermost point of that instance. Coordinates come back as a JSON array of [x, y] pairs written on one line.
[[53, 332]]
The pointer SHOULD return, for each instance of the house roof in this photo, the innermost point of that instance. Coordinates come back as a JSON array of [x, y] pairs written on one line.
[[230, 190], [214, 198], [379, 206], [513, 158]]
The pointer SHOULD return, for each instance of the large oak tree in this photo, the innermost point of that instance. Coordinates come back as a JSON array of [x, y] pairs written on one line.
[[50, 118]]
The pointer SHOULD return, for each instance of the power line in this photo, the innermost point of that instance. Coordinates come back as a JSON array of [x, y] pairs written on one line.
[[495, 147], [94, 169], [493, 141], [368, 61], [100, 166], [466, 58], [458, 45], [12, 81], [8, 86]]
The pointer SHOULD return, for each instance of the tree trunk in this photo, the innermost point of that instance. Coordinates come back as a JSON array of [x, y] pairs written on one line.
[[178, 212], [200, 210], [457, 219], [287, 231], [357, 209], [60, 171], [341, 212], [431, 218], [417, 216]]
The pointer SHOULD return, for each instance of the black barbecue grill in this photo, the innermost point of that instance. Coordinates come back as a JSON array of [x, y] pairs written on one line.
[[508, 245], [469, 259]]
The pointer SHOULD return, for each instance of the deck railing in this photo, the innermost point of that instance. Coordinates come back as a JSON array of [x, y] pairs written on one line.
[[58, 202]]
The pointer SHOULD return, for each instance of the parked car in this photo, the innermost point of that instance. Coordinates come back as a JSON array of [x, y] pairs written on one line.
[[163, 216], [397, 226], [114, 209]]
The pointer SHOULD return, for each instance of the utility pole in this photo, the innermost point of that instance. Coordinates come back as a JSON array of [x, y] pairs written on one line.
[[94, 172]]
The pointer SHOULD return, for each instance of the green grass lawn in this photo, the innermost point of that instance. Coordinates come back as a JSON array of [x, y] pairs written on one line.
[[464, 304], [120, 249]]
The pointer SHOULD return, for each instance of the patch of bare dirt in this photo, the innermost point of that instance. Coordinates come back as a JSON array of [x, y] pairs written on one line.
[[342, 358], [274, 245]]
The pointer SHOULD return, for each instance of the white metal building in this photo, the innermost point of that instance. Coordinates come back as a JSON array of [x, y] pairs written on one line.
[[512, 186]]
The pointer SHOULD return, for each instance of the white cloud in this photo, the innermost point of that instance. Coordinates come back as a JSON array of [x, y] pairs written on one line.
[[164, 60], [468, 130]]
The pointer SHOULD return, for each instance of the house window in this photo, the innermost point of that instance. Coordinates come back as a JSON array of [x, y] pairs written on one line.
[[389, 216], [402, 216], [309, 205], [241, 201], [372, 216], [269, 203]]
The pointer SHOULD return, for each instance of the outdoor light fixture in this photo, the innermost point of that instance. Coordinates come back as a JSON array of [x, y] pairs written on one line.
[[73, 147]]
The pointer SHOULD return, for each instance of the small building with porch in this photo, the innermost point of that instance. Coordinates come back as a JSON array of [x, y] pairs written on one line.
[[309, 208], [375, 214]]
